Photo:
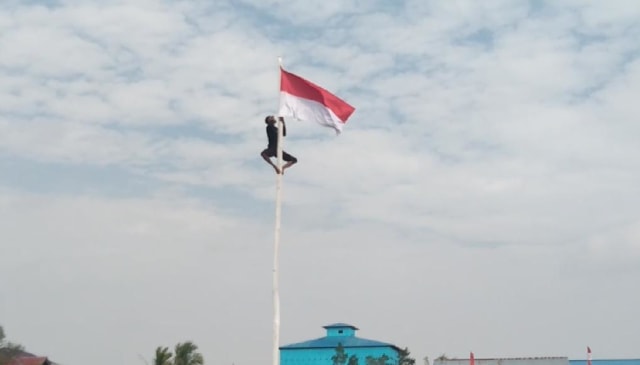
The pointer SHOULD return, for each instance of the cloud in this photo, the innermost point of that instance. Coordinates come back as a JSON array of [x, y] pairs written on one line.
[[491, 160]]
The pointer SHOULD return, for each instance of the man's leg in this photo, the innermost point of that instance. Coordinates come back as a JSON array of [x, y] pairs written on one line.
[[266, 156], [289, 159]]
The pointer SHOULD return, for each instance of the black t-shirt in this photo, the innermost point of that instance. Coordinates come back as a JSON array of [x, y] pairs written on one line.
[[272, 135]]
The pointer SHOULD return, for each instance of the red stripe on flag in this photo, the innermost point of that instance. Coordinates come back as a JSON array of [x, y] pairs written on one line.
[[297, 86]]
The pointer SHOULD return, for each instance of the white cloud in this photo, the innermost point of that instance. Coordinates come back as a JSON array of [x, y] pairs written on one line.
[[492, 159]]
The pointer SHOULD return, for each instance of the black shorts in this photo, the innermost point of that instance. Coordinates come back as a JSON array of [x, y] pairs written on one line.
[[272, 152]]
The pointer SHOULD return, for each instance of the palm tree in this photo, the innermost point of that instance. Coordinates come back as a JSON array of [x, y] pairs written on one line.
[[163, 356], [186, 354]]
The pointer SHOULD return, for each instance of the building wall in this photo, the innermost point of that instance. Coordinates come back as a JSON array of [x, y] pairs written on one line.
[[322, 356], [607, 362], [340, 332], [517, 361]]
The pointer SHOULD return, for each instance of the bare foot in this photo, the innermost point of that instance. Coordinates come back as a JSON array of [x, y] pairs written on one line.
[[277, 170]]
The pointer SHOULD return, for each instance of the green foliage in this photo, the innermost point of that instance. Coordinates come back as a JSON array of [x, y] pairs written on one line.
[[404, 357], [343, 358], [382, 360], [8, 350], [163, 356], [340, 358], [184, 354]]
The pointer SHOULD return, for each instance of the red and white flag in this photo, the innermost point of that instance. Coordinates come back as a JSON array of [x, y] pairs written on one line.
[[306, 101], [588, 355]]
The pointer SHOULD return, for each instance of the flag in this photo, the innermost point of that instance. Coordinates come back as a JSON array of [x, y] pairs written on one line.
[[472, 359], [306, 101], [588, 355]]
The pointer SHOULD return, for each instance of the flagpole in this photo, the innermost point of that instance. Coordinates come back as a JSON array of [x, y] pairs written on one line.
[[276, 245]]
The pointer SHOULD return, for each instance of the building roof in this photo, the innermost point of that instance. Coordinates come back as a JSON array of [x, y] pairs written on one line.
[[340, 325], [28, 360], [331, 341]]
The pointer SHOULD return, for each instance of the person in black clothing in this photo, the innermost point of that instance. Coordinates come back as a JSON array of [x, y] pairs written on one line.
[[272, 148]]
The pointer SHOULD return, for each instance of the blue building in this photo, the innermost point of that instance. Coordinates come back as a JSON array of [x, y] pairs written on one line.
[[320, 350]]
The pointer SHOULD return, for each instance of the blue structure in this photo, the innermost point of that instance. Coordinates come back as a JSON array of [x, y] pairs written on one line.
[[319, 351]]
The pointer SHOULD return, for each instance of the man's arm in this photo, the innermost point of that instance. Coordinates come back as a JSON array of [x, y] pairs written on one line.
[[284, 127]]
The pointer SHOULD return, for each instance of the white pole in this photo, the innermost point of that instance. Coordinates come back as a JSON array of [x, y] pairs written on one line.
[[276, 246]]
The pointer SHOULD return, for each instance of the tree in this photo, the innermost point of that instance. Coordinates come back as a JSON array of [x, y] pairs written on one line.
[[163, 356], [442, 357], [340, 358], [186, 354], [404, 358], [8, 350], [382, 360]]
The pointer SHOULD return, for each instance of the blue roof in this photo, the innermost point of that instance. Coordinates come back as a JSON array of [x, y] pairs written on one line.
[[340, 325], [332, 342]]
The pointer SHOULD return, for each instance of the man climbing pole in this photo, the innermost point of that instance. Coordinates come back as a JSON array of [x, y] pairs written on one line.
[[272, 148]]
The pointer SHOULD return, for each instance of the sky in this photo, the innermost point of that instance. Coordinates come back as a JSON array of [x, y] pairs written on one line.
[[483, 197]]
